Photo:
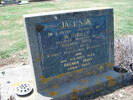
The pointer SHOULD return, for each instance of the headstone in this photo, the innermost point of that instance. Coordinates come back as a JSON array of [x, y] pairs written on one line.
[[37, 0], [5, 2], [72, 53]]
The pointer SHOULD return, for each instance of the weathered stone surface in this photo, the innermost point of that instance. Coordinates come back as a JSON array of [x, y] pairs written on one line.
[[72, 52]]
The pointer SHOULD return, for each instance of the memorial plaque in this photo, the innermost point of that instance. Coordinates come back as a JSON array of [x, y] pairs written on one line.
[[71, 41], [66, 44], [71, 47]]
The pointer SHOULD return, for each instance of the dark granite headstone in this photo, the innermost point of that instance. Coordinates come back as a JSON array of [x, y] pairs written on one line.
[[72, 52], [5, 2]]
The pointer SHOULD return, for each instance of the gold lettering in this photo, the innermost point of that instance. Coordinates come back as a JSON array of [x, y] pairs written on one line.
[[88, 21], [90, 55], [85, 64], [74, 23], [71, 64], [77, 54], [73, 68], [87, 60], [50, 34], [80, 22], [80, 57], [63, 61], [66, 37]]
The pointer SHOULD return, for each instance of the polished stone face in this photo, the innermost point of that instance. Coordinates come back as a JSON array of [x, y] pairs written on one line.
[[72, 51], [74, 42]]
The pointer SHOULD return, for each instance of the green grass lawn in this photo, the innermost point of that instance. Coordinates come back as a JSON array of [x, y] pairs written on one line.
[[12, 34]]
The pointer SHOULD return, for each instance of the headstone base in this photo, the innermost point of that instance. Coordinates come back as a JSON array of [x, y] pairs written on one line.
[[85, 88]]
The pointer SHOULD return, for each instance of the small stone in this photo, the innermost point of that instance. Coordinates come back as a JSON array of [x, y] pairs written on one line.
[[8, 82], [23, 63], [114, 98], [120, 95], [3, 73]]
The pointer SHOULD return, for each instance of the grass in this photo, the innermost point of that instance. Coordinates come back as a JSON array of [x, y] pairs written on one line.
[[12, 34]]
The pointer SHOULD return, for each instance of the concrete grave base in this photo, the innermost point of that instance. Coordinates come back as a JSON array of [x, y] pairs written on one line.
[[12, 76], [86, 87]]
